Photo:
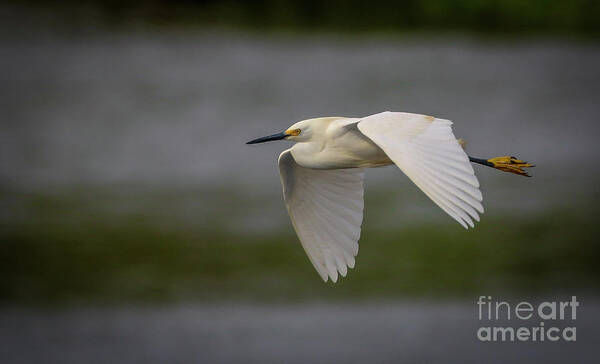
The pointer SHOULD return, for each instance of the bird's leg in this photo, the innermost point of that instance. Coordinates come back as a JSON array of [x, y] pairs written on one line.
[[506, 164]]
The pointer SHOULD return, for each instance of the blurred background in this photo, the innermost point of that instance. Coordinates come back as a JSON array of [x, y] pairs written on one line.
[[136, 225]]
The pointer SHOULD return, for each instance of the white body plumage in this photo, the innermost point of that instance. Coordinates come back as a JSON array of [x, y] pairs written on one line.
[[336, 143], [322, 177]]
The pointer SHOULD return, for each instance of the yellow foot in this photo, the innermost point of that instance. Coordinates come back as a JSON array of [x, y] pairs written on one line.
[[510, 164]]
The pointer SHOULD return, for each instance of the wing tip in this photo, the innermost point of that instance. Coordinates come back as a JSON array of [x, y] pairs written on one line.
[[336, 275]]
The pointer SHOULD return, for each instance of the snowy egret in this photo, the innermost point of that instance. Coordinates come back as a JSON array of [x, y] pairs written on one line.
[[322, 176]]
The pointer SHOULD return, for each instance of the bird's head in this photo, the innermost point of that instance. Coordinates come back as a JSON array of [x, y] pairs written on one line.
[[302, 131]]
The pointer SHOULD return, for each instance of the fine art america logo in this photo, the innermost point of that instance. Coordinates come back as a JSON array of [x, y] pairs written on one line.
[[526, 321]]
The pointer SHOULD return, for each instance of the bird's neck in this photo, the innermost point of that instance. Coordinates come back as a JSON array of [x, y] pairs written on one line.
[[306, 154]]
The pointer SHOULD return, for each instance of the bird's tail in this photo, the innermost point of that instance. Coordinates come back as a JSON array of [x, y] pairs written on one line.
[[506, 164]]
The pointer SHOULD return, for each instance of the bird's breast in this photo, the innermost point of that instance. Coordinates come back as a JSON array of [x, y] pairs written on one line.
[[349, 150]]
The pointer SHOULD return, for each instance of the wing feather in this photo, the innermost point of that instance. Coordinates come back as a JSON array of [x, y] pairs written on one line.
[[326, 209], [427, 151]]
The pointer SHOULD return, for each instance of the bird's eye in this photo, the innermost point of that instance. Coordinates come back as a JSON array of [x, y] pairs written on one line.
[[297, 132]]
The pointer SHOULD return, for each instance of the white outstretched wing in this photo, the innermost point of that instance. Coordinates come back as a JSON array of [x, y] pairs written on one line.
[[326, 209], [427, 151]]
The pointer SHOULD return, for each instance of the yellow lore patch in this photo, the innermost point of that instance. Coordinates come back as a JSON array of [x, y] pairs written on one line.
[[293, 132]]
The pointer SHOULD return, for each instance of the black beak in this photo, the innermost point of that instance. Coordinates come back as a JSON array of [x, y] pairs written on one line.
[[277, 136]]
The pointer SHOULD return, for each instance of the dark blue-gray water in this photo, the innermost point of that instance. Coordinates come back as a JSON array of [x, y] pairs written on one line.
[[384, 332], [172, 111]]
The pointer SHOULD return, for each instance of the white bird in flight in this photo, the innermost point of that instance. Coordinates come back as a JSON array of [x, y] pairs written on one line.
[[322, 176]]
